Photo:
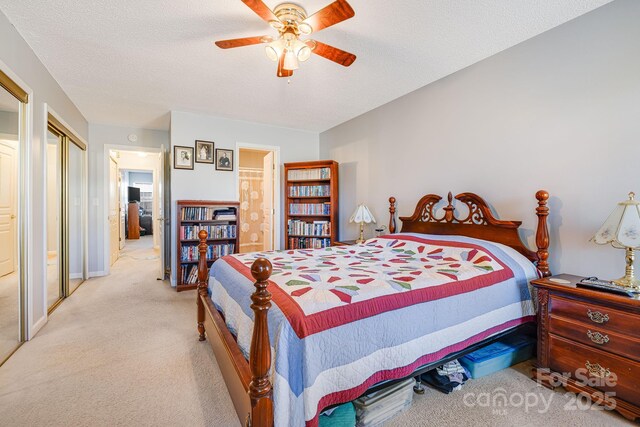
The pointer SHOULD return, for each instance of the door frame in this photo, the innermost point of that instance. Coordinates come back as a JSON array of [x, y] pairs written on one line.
[[105, 211], [277, 217]]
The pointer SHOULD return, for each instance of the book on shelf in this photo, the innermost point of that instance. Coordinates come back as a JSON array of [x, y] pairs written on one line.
[[207, 213], [190, 253], [190, 232], [309, 174], [308, 242], [189, 274], [309, 208], [304, 228], [309, 191]]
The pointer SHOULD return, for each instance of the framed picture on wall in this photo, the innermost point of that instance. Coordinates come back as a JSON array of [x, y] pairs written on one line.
[[224, 159], [204, 151], [182, 157]]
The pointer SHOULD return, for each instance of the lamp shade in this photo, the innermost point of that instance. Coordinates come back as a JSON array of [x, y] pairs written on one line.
[[622, 227], [362, 214]]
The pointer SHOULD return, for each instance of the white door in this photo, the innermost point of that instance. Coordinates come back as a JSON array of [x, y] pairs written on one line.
[[8, 182], [160, 225], [114, 214], [267, 184]]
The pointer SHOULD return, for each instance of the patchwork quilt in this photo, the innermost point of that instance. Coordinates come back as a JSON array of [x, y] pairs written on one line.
[[345, 318]]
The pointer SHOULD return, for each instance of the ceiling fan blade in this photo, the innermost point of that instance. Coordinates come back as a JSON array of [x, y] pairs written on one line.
[[261, 9], [331, 53], [247, 41], [281, 71], [330, 15]]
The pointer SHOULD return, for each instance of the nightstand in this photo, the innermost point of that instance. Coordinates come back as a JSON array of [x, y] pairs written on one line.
[[344, 242], [589, 342]]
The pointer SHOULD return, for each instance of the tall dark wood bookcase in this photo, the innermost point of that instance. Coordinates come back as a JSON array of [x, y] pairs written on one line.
[[194, 215], [311, 207]]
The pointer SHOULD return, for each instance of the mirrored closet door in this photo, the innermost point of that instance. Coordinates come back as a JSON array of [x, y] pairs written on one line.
[[13, 103], [66, 210], [55, 288], [76, 215]]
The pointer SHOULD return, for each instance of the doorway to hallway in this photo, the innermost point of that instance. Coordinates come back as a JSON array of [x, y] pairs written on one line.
[[136, 204]]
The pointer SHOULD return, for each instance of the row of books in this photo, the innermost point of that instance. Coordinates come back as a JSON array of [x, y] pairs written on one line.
[[309, 191], [190, 253], [308, 243], [310, 174], [190, 232], [207, 214], [310, 208], [189, 274], [315, 228]]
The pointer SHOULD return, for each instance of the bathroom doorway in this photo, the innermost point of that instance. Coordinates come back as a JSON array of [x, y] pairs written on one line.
[[259, 196]]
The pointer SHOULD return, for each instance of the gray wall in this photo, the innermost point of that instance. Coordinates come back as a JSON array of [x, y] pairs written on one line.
[[17, 59], [9, 122], [100, 136], [559, 111]]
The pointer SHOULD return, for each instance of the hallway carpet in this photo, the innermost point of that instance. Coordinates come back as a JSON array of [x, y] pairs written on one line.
[[123, 351]]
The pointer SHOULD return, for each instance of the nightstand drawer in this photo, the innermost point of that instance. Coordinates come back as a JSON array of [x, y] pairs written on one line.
[[596, 315], [595, 336], [613, 373]]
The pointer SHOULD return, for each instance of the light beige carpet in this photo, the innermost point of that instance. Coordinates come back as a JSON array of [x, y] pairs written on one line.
[[123, 351], [9, 320]]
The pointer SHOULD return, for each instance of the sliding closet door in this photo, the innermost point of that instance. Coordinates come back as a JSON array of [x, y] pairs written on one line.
[[66, 211], [12, 274], [75, 215], [55, 286]]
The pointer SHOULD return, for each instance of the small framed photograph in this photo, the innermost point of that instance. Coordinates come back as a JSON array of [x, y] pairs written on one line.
[[204, 151], [224, 159], [182, 157]]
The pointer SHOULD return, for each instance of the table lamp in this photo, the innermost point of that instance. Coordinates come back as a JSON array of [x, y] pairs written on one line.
[[362, 214], [622, 231]]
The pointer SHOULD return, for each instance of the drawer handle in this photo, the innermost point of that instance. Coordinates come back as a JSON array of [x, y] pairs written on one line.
[[596, 370], [597, 317], [597, 337]]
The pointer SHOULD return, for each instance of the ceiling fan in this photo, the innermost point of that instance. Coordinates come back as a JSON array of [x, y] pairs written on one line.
[[291, 21]]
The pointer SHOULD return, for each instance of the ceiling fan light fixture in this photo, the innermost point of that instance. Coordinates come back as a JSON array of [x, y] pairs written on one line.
[[290, 61], [274, 49], [303, 52], [276, 25], [305, 28]]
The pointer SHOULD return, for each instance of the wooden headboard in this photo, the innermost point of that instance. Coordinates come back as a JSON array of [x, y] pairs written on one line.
[[479, 223]]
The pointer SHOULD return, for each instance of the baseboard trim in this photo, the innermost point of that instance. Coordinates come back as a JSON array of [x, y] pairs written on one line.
[[97, 274]]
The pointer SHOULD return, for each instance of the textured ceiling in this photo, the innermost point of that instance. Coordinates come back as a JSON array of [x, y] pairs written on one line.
[[129, 62]]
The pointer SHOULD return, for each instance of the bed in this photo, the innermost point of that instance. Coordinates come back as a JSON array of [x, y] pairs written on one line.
[[338, 321]]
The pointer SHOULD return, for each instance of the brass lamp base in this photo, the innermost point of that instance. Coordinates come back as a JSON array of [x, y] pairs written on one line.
[[361, 238], [629, 280]]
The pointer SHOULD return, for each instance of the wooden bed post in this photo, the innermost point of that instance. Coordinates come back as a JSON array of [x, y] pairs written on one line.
[[260, 389], [542, 233], [392, 214], [202, 281]]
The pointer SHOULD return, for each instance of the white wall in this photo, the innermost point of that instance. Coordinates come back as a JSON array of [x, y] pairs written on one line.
[[100, 136], [206, 183], [559, 112], [19, 62]]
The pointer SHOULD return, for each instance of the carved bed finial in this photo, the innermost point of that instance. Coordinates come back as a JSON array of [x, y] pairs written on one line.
[[392, 214], [542, 233], [260, 388], [202, 280], [449, 209]]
